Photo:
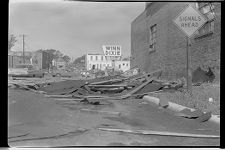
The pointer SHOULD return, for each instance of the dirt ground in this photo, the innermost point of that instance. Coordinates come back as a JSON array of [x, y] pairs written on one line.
[[35, 120], [199, 99]]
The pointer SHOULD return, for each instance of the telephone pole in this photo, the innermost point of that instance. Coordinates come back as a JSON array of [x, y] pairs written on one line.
[[23, 45], [23, 50]]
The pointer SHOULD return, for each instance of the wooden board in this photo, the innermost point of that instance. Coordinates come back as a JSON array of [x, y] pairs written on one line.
[[161, 133]]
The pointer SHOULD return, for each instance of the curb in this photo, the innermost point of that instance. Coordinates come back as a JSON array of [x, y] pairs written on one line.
[[177, 108]]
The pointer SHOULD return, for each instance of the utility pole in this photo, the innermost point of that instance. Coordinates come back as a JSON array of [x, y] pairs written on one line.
[[23, 51], [189, 72], [23, 43]]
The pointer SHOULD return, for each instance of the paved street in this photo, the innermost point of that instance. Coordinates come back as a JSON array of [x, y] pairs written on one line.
[[38, 121]]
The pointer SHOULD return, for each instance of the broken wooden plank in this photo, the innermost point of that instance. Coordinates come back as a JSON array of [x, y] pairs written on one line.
[[108, 81], [99, 111], [161, 133], [27, 88], [58, 96], [111, 90], [151, 74], [95, 96], [138, 88], [107, 86], [68, 99]]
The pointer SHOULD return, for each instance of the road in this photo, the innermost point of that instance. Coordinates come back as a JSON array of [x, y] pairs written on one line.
[[34, 120]]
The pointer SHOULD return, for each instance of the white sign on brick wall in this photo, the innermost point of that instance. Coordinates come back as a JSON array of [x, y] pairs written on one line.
[[190, 20]]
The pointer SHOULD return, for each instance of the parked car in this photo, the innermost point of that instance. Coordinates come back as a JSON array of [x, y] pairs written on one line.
[[26, 70]]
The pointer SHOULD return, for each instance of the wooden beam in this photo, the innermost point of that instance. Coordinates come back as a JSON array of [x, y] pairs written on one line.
[[161, 133], [108, 81], [27, 88], [59, 96], [138, 88], [107, 86], [99, 111]]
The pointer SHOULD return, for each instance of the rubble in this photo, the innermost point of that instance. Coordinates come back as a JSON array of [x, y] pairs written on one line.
[[111, 87], [201, 76]]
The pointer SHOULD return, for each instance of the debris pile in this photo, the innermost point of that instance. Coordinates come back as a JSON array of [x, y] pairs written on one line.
[[201, 76], [109, 87]]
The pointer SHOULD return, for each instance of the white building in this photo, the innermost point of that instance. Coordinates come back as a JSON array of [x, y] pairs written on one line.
[[122, 65], [101, 62], [97, 61]]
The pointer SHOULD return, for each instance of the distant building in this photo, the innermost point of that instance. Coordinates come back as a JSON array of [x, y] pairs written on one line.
[[101, 62], [123, 65], [20, 53], [15, 59], [97, 61], [60, 63], [40, 60], [156, 42]]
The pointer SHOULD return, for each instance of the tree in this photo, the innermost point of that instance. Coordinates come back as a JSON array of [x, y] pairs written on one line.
[[66, 58], [79, 60], [57, 54], [11, 42]]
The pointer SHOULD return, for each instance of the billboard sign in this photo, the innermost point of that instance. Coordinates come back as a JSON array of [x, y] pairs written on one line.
[[112, 50]]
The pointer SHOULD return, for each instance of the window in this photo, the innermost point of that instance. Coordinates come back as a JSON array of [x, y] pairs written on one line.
[[208, 10], [119, 66], [96, 57], [152, 38], [102, 57], [91, 57]]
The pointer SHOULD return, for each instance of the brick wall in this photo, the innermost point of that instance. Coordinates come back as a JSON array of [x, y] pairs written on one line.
[[139, 42], [170, 54]]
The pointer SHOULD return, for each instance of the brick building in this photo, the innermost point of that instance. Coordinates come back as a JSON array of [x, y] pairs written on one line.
[[156, 42], [40, 60]]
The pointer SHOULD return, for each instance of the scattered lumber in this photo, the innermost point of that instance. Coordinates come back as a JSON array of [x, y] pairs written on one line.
[[58, 96], [107, 86], [68, 99], [156, 73], [161, 133], [112, 81], [27, 88], [138, 88], [104, 112]]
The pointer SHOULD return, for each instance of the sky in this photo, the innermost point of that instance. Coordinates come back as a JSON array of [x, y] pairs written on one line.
[[75, 28]]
